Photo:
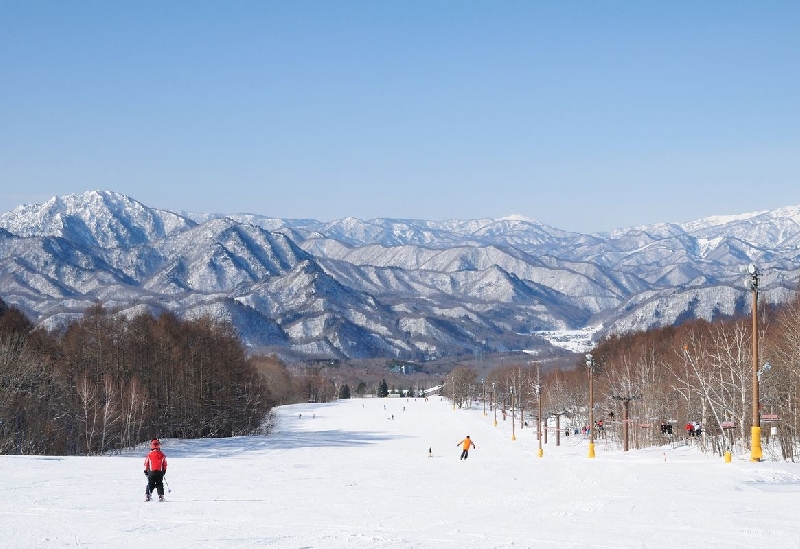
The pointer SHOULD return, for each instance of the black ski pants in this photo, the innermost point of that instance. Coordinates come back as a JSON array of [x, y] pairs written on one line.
[[155, 481]]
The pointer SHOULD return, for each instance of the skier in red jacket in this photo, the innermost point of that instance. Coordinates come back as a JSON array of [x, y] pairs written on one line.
[[155, 467]]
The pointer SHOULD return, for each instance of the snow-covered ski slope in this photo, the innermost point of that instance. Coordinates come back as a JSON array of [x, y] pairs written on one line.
[[347, 475]]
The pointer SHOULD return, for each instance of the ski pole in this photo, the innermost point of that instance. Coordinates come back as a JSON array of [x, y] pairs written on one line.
[[168, 488]]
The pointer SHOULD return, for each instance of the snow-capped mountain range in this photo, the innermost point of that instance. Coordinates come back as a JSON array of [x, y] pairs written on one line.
[[410, 289]]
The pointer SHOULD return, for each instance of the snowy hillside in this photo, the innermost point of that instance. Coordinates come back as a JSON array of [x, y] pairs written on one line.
[[358, 474], [412, 289]]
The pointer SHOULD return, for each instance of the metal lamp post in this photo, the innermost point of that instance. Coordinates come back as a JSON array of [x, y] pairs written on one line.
[[494, 392], [755, 431], [590, 368], [484, 396], [513, 436], [538, 388]]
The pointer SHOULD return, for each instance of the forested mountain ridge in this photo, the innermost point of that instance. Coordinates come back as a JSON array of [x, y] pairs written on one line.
[[413, 289]]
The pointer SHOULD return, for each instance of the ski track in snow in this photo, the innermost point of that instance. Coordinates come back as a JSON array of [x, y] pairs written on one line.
[[347, 475]]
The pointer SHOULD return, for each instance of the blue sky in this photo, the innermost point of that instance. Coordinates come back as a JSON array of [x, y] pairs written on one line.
[[587, 116]]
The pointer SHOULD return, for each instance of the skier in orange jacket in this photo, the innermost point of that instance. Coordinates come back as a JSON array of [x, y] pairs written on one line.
[[155, 467], [465, 444]]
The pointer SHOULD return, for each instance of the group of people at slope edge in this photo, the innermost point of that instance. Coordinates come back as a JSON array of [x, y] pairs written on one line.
[[693, 429]]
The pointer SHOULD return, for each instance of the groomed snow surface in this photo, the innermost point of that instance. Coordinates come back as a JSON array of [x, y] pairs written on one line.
[[348, 475]]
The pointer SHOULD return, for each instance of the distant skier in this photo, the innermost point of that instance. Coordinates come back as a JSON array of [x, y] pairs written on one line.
[[155, 467], [465, 444]]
